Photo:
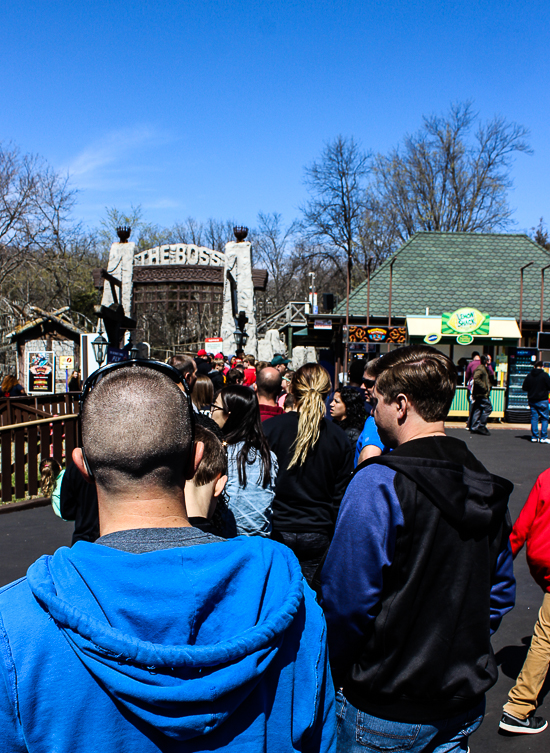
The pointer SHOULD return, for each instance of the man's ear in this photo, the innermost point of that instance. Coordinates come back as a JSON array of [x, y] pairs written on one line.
[[403, 406], [219, 486], [195, 459], [78, 460]]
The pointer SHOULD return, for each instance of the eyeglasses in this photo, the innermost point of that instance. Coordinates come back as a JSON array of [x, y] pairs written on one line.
[[214, 407], [163, 368]]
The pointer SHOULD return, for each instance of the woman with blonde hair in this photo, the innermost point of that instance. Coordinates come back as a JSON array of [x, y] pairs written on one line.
[[315, 465]]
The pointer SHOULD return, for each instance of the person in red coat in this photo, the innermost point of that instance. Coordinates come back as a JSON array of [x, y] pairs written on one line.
[[533, 527]]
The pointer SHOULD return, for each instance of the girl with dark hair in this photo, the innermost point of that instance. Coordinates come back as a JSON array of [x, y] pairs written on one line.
[[348, 412], [203, 394], [252, 467]]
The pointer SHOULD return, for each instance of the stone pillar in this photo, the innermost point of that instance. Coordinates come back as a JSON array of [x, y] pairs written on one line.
[[121, 266], [269, 345], [302, 355], [238, 261]]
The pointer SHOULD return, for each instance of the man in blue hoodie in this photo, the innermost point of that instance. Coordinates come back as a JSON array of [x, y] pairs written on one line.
[[159, 636], [422, 534]]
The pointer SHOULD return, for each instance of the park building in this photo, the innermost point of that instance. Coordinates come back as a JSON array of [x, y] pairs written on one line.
[[458, 292]]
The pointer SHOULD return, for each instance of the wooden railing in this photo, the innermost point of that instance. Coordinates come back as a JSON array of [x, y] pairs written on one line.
[[24, 445], [17, 410]]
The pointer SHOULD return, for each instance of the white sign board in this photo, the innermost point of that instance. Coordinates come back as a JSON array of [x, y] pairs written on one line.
[[87, 357]]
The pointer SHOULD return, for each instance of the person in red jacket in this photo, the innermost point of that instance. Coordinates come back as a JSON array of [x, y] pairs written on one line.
[[533, 527]]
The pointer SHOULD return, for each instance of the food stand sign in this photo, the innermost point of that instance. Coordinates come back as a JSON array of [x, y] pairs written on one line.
[[377, 334], [41, 372], [465, 339], [465, 321], [433, 338]]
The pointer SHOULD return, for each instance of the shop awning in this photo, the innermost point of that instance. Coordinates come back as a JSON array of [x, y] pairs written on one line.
[[500, 328]]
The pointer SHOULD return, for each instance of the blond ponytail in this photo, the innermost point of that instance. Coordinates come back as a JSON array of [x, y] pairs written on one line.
[[310, 386]]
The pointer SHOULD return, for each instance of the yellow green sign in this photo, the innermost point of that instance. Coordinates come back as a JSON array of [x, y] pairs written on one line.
[[464, 321], [465, 339]]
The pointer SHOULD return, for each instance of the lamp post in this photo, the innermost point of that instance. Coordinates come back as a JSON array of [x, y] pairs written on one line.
[[368, 291], [240, 334], [99, 346], [312, 275], [392, 262], [521, 298]]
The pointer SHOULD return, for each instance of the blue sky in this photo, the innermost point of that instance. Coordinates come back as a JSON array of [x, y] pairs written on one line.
[[212, 109]]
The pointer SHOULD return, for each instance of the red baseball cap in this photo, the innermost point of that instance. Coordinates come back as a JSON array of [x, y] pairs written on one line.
[[218, 355], [201, 352]]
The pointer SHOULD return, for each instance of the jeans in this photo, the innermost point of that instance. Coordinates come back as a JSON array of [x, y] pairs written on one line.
[[522, 699], [481, 411], [539, 411], [309, 548], [359, 732]]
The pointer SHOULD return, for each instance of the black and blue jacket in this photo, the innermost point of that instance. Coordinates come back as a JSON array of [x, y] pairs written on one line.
[[418, 576]]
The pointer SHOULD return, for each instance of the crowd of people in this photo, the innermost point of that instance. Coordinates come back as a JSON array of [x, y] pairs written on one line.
[[260, 562]]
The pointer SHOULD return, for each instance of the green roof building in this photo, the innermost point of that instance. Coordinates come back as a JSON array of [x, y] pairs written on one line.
[[440, 272], [457, 291]]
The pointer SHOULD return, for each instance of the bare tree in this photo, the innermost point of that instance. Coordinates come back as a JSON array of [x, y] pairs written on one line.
[[272, 246], [334, 214], [540, 234], [144, 234], [444, 178], [190, 231], [35, 207], [217, 233]]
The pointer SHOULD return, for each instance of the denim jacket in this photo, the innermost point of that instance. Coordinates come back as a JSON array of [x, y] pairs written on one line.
[[250, 507]]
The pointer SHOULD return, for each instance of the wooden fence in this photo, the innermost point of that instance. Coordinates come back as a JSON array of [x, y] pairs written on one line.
[[24, 445], [17, 410]]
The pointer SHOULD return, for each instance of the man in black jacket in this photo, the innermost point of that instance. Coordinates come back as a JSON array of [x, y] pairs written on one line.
[[537, 386], [419, 572]]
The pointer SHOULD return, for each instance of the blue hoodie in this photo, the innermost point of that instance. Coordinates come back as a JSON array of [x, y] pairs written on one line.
[[186, 649]]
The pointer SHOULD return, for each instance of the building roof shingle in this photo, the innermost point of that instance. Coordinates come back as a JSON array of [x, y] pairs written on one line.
[[445, 271]]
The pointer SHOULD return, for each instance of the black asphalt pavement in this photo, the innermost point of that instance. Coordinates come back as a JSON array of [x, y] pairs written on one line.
[[26, 535], [509, 453]]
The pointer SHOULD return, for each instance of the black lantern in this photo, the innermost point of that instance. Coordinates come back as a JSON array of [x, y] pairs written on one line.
[[241, 338], [134, 352], [100, 348], [240, 334]]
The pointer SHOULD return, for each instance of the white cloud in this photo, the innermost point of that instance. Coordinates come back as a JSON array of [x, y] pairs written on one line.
[[89, 167], [161, 204]]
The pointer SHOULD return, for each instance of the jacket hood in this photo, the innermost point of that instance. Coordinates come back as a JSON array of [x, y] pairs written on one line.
[[539, 374], [454, 481], [178, 638]]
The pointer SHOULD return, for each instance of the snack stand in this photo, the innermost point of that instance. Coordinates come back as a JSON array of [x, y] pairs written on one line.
[[460, 332]]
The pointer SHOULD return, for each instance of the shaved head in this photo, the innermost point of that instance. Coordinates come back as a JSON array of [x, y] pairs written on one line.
[[136, 428], [268, 383]]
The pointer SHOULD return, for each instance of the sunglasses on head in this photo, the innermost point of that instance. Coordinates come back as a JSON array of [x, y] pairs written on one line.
[[162, 368]]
